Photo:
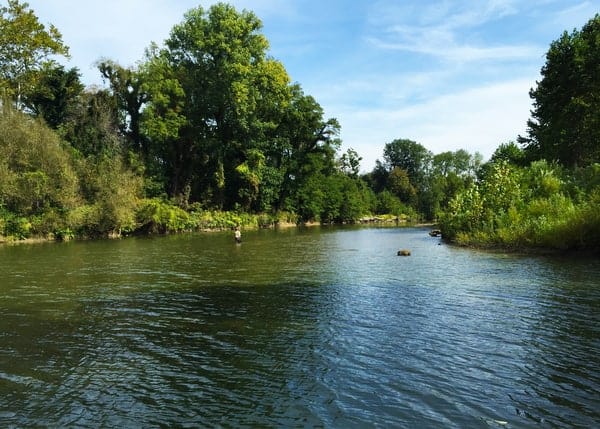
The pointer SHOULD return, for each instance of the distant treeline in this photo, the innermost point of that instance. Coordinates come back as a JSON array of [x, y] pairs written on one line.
[[208, 131]]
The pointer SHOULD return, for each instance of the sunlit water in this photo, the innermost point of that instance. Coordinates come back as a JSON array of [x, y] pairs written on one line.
[[296, 328]]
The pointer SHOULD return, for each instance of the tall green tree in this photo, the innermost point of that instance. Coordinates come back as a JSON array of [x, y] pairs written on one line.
[[54, 95], [25, 46], [398, 183], [410, 156], [307, 146], [565, 123], [218, 96], [415, 159], [169, 158]]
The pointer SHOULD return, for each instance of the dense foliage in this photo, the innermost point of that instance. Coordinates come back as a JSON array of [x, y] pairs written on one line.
[[542, 205], [207, 131], [565, 123]]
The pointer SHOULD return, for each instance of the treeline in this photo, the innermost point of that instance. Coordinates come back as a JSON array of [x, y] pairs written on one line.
[[208, 131], [205, 131]]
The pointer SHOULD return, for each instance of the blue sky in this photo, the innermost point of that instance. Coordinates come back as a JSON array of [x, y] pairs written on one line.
[[449, 74]]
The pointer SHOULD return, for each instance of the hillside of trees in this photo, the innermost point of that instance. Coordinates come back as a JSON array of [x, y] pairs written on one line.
[[208, 131]]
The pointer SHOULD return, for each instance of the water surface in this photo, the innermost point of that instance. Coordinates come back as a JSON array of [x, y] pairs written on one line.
[[321, 327]]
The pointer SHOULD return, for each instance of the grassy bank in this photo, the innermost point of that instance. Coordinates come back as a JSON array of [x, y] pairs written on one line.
[[149, 216]]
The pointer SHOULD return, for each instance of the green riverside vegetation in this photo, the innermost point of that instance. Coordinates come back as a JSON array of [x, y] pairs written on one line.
[[207, 131]]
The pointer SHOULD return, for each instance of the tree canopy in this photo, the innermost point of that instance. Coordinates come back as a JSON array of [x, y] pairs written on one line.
[[565, 123], [25, 46]]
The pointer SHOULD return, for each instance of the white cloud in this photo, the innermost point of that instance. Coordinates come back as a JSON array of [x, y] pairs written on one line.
[[442, 31], [477, 13], [448, 14], [441, 45], [477, 119], [576, 15]]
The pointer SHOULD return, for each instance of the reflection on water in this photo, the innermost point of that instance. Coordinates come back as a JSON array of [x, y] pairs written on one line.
[[315, 327]]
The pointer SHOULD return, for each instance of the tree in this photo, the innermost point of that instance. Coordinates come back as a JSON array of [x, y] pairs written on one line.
[[92, 126], [349, 163], [565, 123], [214, 98], [127, 86], [304, 147], [25, 45], [509, 152], [377, 179], [169, 158], [408, 155], [415, 159], [399, 184], [451, 172], [55, 93], [458, 162]]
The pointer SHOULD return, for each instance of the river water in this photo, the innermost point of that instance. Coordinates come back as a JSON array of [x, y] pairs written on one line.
[[317, 327]]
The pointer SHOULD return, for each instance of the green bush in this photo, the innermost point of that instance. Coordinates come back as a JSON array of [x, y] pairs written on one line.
[[35, 168], [16, 227], [156, 216], [528, 209]]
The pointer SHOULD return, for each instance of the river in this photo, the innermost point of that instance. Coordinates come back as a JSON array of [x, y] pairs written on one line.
[[315, 327]]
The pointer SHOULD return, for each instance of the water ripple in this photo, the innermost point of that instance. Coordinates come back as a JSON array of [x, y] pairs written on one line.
[[343, 333]]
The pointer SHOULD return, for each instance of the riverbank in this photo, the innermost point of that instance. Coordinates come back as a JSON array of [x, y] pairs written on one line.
[[157, 231], [519, 249], [208, 222], [524, 249]]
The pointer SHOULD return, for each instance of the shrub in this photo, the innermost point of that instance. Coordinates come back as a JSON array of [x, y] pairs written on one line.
[[156, 216]]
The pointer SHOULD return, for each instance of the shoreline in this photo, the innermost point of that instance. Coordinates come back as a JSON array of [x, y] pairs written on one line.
[[497, 249], [527, 251], [10, 241]]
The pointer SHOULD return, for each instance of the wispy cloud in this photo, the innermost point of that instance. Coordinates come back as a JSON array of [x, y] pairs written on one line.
[[442, 30], [573, 16], [442, 45]]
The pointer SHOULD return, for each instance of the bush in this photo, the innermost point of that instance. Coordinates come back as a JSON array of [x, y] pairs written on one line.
[[14, 226], [157, 216], [501, 211], [35, 168]]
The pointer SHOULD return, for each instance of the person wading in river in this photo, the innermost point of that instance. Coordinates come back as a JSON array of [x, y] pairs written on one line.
[[238, 235]]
